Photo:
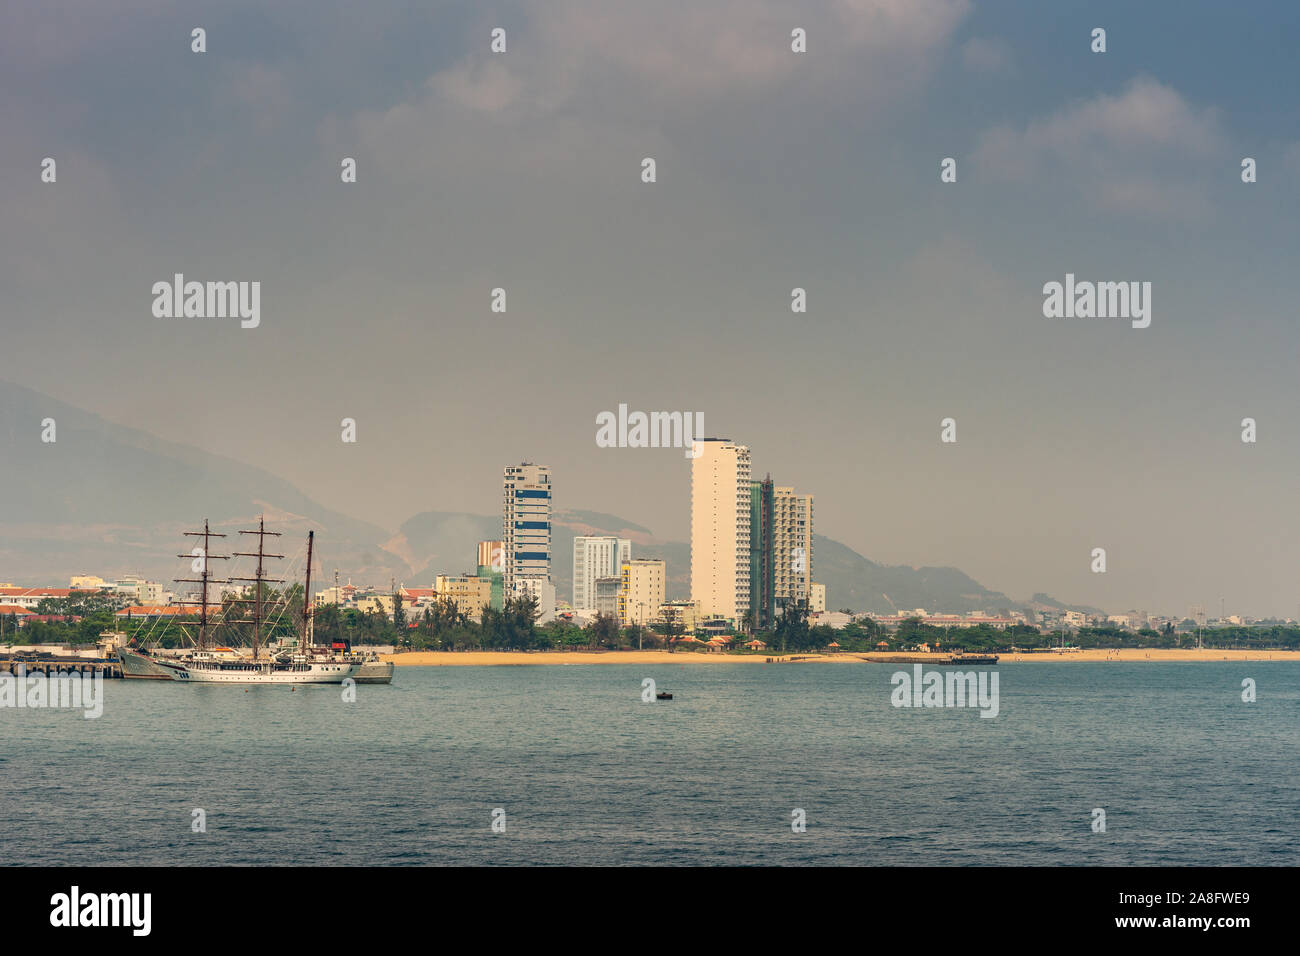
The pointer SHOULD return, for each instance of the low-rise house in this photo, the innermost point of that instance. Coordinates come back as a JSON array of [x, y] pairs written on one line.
[[30, 598], [15, 611]]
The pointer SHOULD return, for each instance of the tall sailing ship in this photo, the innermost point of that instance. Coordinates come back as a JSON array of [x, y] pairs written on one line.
[[303, 662], [152, 664]]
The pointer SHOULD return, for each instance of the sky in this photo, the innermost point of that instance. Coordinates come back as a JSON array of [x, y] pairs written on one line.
[[774, 170]]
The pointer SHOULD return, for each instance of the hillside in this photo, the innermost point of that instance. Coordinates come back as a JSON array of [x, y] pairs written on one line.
[[441, 541], [111, 500]]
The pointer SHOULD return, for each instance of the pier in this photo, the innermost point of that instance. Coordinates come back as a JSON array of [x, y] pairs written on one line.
[[60, 666]]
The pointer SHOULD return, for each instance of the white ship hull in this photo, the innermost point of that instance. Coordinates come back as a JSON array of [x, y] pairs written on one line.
[[264, 672]]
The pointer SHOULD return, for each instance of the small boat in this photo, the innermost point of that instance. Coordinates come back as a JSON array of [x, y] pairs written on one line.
[[973, 659], [663, 695]]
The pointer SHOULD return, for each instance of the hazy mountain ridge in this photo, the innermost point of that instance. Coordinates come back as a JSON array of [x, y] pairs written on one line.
[[1045, 602], [109, 499], [442, 542], [851, 580]]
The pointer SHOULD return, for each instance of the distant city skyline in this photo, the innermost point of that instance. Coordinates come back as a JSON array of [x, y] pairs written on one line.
[[1119, 609]]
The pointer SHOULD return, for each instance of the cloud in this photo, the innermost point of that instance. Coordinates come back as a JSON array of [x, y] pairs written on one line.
[[36, 35], [986, 55], [261, 90], [47, 225], [486, 85], [1291, 157], [700, 52], [585, 91], [1145, 151]]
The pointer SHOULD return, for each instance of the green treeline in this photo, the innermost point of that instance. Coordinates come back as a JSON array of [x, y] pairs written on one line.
[[514, 627]]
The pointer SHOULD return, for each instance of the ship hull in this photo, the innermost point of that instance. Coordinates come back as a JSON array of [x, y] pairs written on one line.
[[375, 672], [250, 673], [137, 666]]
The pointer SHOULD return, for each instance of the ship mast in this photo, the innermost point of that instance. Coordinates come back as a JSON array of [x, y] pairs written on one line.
[[308, 637], [260, 577], [204, 578]]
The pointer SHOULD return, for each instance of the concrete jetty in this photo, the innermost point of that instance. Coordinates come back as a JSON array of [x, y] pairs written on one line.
[[52, 666]]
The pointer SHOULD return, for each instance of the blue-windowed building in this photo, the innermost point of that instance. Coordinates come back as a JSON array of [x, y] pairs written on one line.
[[527, 526]]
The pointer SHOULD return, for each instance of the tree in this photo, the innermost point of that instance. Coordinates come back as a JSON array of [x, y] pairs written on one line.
[[328, 624], [821, 636], [792, 627], [514, 626], [914, 631], [399, 617], [81, 604], [670, 627], [603, 631]]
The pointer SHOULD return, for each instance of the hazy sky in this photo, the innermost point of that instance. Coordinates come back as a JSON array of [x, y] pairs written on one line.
[[775, 170]]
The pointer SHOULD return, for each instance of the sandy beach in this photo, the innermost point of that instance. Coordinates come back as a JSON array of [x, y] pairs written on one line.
[[523, 658], [1150, 656], [527, 658]]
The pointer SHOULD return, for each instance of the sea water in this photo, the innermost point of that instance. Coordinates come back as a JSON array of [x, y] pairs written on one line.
[[573, 767]]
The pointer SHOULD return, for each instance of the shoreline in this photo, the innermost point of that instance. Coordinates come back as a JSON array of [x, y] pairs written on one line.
[[553, 658]]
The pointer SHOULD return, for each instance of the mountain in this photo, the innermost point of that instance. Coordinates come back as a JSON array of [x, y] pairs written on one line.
[[854, 582], [110, 500], [441, 542], [1045, 602], [436, 542]]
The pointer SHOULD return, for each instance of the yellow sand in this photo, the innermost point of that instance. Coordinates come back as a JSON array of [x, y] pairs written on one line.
[[488, 658], [1180, 654]]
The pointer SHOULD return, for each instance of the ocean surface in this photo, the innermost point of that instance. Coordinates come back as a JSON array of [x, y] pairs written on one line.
[[586, 773]]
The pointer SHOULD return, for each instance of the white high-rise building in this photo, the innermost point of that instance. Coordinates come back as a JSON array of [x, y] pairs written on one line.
[[595, 558], [607, 591], [527, 524], [792, 532], [642, 590], [720, 510], [817, 598]]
